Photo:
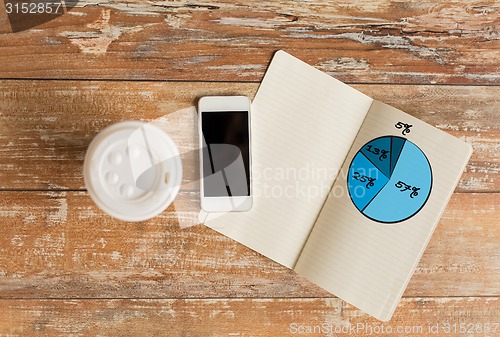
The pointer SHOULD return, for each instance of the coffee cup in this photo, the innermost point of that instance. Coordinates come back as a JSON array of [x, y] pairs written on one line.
[[132, 170]]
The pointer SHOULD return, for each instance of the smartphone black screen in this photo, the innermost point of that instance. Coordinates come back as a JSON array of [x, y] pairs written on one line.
[[226, 157]]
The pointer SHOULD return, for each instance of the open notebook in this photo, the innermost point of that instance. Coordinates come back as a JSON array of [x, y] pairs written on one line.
[[347, 190]]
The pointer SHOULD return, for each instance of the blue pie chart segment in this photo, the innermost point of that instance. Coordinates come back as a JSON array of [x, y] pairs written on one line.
[[378, 152], [366, 181], [403, 193], [397, 144]]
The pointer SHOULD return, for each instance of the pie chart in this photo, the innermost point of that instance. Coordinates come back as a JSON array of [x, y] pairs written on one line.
[[390, 179]]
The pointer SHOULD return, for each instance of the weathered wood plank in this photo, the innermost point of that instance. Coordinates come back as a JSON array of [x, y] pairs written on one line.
[[47, 125], [59, 245], [466, 243], [245, 317], [377, 41]]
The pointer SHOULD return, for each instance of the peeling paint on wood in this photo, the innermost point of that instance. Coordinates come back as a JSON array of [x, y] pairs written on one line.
[[87, 254], [237, 317], [41, 148], [401, 42], [68, 269], [102, 34]]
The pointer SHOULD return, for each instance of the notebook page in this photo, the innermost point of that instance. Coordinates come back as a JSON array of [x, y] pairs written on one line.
[[366, 261], [303, 123]]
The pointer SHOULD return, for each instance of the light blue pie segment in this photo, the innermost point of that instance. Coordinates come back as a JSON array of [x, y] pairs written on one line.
[[392, 204], [360, 193]]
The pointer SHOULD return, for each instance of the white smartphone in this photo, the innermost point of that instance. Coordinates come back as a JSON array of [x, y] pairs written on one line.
[[225, 153]]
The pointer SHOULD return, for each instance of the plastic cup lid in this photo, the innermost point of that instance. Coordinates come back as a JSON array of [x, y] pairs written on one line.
[[132, 170]]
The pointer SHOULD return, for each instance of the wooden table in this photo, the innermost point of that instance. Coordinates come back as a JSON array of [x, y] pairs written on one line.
[[67, 269]]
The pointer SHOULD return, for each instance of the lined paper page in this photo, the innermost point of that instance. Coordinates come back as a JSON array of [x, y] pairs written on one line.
[[369, 263], [303, 123]]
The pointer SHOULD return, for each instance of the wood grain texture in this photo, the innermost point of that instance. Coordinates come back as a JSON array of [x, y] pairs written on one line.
[[60, 245], [377, 41], [47, 125], [243, 317], [67, 269], [4, 20]]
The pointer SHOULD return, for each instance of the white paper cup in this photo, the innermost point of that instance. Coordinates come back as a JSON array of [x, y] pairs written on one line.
[[132, 170]]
